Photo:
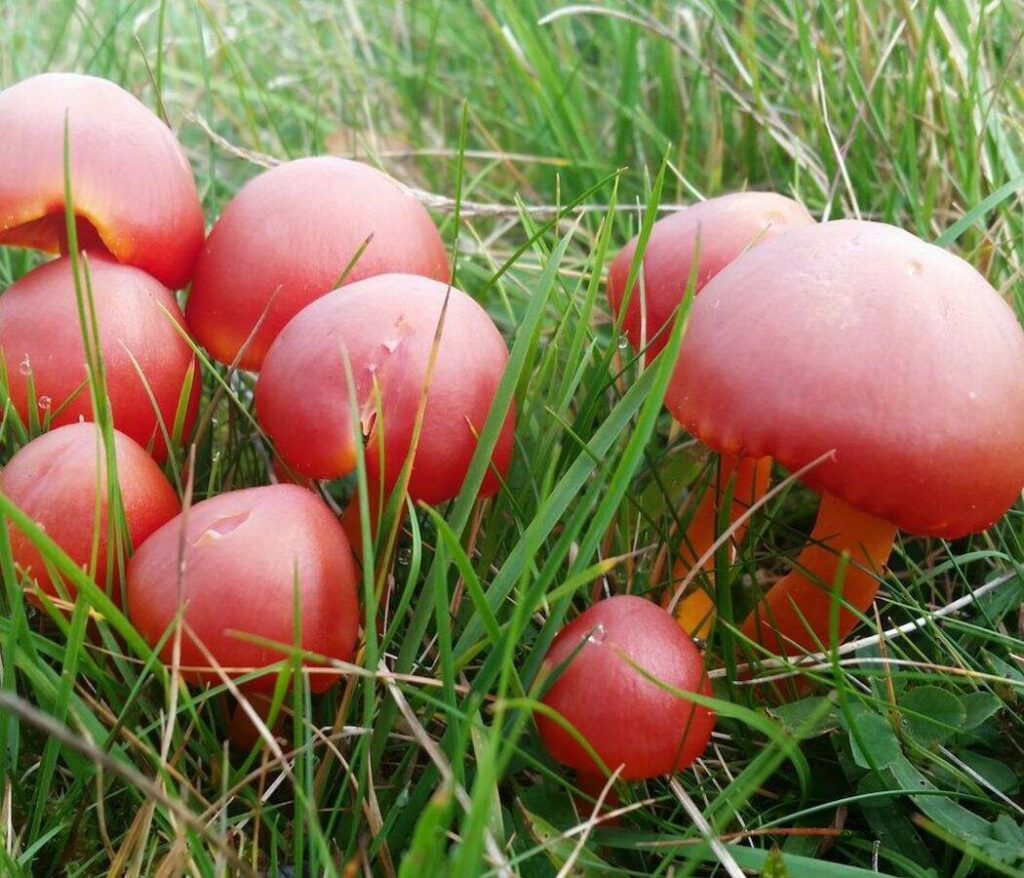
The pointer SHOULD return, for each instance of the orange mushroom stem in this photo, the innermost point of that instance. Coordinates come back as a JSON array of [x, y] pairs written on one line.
[[750, 476], [796, 613]]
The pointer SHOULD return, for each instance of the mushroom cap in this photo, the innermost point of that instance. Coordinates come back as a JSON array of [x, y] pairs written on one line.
[[287, 237], [723, 228], [41, 339], [55, 481], [386, 325], [130, 179], [626, 718], [245, 555], [859, 338]]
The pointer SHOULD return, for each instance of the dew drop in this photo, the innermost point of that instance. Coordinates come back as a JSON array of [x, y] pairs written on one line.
[[44, 403], [404, 557], [597, 635], [25, 366], [914, 268], [623, 341]]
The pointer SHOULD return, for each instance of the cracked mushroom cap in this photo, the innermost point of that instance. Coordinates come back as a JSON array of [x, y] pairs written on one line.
[[860, 338], [386, 325]]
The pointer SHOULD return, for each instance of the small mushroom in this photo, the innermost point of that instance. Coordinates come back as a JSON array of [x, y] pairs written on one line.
[[888, 361], [57, 480], [293, 234], [131, 184], [386, 327], [41, 344], [246, 569], [630, 721], [716, 231]]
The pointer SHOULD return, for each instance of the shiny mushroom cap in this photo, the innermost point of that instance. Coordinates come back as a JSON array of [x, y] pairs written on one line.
[[59, 480], [251, 560], [386, 326], [859, 338], [628, 719], [149, 367]]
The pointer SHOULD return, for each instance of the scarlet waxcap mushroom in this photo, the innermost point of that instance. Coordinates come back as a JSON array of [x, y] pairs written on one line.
[[717, 231], [252, 560], [56, 480], [858, 338], [132, 187], [627, 719], [288, 237], [41, 342], [386, 326]]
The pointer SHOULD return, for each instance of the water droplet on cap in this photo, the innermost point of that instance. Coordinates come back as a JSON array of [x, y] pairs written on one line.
[[44, 403], [623, 341], [597, 635], [25, 366], [404, 557]]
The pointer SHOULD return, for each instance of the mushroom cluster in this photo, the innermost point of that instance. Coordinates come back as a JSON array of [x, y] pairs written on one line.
[[322, 269], [883, 372]]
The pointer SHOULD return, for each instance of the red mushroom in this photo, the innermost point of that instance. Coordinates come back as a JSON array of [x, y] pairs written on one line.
[[57, 480], [131, 184], [386, 326], [289, 236], [897, 357], [717, 231], [41, 342], [248, 561], [630, 722]]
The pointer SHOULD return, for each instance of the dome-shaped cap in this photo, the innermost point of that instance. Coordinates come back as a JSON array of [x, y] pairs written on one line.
[[858, 337], [130, 178], [628, 719], [716, 231]]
